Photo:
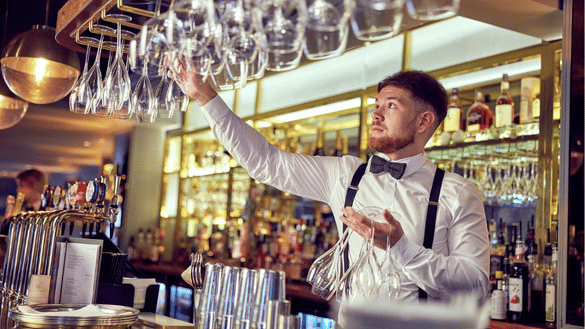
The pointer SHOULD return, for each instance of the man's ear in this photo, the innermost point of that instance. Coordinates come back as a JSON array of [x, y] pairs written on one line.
[[426, 121]]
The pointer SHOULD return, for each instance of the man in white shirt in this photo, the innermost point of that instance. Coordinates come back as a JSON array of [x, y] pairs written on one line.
[[409, 107]]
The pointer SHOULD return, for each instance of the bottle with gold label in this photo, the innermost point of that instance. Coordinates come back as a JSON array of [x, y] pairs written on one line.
[[454, 119], [479, 114], [504, 105], [320, 147]]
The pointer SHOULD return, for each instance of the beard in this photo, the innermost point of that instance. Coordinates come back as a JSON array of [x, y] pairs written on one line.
[[388, 144]]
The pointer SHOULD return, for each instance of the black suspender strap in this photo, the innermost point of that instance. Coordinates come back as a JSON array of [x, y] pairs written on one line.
[[432, 217], [349, 197]]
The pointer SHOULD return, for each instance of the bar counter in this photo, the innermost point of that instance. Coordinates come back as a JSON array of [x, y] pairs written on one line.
[[297, 292]]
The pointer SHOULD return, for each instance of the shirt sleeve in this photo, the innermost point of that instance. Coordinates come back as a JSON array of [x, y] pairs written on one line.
[[298, 174], [465, 269]]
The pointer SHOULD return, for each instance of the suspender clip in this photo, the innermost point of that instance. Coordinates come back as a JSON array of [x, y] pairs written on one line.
[[433, 203], [353, 187]]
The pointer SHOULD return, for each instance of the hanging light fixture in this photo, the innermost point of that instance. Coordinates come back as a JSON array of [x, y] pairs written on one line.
[[38, 69], [12, 109]]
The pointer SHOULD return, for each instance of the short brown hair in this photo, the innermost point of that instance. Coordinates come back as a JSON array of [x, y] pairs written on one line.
[[423, 87], [34, 179]]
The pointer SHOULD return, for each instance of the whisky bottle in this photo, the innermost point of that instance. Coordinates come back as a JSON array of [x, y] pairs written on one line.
[[551, 293], [519, 286], [504, 105], [479, 115], [454, 119], [345, 146]]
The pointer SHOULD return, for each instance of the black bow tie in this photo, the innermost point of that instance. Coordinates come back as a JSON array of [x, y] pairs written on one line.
[[377, 165]]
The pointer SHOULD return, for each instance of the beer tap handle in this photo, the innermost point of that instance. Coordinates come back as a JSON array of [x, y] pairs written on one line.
[[98, 227], [71, 226], [63, 227], [90, 229]]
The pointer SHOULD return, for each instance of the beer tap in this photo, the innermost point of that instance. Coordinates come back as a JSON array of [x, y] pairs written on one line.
[[114, 206]]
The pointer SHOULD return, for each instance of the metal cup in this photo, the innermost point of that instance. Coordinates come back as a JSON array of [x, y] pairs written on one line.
[[228, 297], [268, 288], [205, 318], [246, 299], [289, 322], [275, 309]]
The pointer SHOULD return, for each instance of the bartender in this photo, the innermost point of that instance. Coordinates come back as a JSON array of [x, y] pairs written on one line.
[[409, 107]]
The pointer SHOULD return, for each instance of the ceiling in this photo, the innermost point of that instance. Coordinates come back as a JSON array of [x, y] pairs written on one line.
[[55, 140]]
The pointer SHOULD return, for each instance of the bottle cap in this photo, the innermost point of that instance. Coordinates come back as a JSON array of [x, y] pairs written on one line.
[[499, 275]]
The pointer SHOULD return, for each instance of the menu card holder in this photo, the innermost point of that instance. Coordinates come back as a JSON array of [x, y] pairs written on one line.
[[76, 271]]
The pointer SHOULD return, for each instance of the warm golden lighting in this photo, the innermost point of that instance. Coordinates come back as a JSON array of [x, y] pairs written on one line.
[[12, 110], [37, 69], [46, 83]]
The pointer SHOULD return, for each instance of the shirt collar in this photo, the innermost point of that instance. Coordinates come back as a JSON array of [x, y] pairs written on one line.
[[413, 163]]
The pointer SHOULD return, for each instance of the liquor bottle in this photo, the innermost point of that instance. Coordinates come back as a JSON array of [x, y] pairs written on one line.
[[504, 105], [454, 119], [320, 147], [497, 254], [498, 300], [338, 151], [479, 115], [17, 208], [519, 285], [345, 146], [551, 293], [536, 284]]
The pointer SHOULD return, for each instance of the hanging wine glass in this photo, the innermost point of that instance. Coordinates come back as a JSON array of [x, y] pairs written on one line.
[[283, 42], [126, 110], [94, 78], [80, 96], [373, 20], [150, 45], [117, 82], [164, 108], [176, 98], [326, 31], [426, 10], [143, 99], [102, 106]]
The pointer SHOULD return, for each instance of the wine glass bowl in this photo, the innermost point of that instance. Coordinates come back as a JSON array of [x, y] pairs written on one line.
[[426, 10], [377, 19], [326, 31]]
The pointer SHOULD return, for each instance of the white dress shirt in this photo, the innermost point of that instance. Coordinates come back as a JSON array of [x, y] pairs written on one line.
[[459, 258]]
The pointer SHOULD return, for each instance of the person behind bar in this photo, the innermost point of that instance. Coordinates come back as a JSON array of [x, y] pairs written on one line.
[[31, 183], [410, 105]]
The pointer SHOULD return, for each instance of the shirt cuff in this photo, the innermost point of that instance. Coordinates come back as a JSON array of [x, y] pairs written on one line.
[[216, 109], [404, 251]]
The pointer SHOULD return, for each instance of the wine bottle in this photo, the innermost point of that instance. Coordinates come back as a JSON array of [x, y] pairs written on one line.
[[345, 146], [536, 284], [498, 299], [504, 105], [519, 285], [479, 115], [320, 147], [454, 119], [551, 293]]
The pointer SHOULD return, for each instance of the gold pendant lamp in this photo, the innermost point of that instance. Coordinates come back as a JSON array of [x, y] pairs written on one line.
[[38, 69]]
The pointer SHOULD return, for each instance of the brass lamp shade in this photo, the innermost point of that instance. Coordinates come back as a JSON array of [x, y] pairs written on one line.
[[38, 69], [12, 109]]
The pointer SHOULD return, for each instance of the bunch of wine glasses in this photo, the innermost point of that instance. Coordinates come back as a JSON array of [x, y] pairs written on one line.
[[112, 95], [372, 276], [234, 41], [501, 181]]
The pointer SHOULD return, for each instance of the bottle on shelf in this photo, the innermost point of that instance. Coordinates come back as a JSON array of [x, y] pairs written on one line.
[[498, 252], [454, 119], [498, 311], [551, 293], [320, 146], [345, 145], [519, 285], [536, 284], [504, 105], [338, 151], [479, 114]]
